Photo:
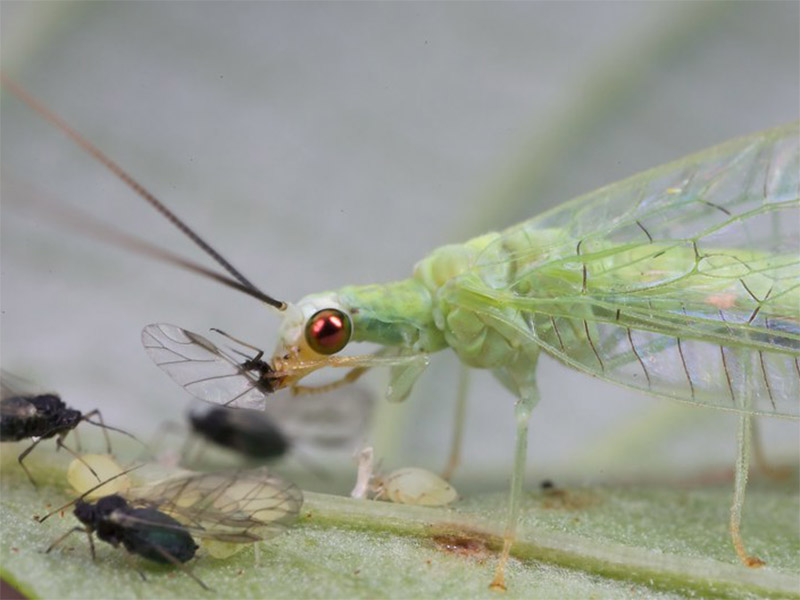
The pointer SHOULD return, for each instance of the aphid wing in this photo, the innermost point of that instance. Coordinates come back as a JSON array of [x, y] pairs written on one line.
[[12, 385], [16, 407], [202, 369], [683, 281], [236, 506]]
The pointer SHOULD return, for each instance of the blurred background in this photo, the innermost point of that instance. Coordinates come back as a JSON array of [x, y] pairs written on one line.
[[318, 145]]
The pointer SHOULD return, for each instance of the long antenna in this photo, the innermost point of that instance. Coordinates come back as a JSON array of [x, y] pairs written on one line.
[[34, 104], [89, 491], [78, 220]]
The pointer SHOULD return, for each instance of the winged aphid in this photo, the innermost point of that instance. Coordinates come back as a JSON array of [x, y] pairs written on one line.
[[231, 379], [251, 433], [40, 417], [167, 521]]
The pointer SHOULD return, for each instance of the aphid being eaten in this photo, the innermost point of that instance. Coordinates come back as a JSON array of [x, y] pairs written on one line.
[[414, 485], [163, 522], [40, 417], [234, 379], [407, 485], [615, 284]]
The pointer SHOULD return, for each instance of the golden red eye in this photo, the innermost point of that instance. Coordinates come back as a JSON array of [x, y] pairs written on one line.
[[328, 331]]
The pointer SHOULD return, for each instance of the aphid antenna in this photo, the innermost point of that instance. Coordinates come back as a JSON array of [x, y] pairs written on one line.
[[107, 428], [89, 491], [138, 188]]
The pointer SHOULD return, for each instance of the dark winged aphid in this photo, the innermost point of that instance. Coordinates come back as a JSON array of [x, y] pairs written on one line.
[[143, 531], [40, 417], [215, 375], [206, 371], [249, 432], [162, 522]]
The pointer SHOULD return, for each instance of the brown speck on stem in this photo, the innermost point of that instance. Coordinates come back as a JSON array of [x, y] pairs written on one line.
[[463, 545]]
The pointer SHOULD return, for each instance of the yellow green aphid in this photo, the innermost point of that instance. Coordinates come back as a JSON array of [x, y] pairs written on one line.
[[407, 485], [413, 485], [682, 282], [105, 468]]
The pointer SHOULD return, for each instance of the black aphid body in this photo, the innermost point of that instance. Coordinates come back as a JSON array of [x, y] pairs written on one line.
[[144, 531], [249, 432], [42, 416]]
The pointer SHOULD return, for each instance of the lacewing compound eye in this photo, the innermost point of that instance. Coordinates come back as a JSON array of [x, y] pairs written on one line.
[[328, 331]]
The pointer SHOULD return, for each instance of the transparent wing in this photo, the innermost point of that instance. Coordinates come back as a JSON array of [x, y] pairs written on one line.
[[13, 385], [16, 407], [233, 506], [203, 369], [15, 395], [333, 419], [683, 281]]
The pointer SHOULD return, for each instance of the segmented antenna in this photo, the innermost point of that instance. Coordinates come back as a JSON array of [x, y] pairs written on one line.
[[89, 491], [86, 223], [34, 104]]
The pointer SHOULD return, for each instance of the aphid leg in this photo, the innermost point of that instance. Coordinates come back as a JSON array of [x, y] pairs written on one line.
[[132, 564], [69, 533], [91, 544], [102, 425], [22, 456], [349, 377], [762, 464], [60, 444], [458, 430], [742, 468], [259, 352], [364, 476], [76, 434], [175, 562], [188, 451], [528, 396]]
